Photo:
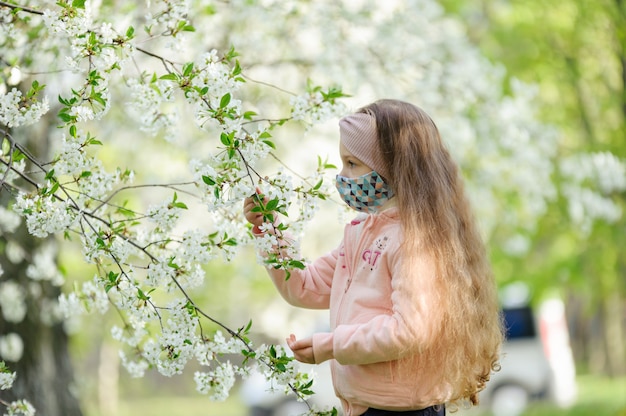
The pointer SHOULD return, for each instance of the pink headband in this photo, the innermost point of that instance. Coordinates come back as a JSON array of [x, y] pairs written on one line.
[[358, 134]]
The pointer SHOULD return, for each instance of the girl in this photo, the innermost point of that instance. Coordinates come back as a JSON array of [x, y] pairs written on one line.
[[414, 314]]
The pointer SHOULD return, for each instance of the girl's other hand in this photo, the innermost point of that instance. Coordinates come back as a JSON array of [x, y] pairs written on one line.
[[302, 349]]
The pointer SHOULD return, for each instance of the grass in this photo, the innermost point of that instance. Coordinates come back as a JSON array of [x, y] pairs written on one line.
[[188, 406], [597, 396]]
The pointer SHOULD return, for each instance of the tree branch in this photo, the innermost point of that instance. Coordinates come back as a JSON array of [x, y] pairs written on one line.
[[17, 7]]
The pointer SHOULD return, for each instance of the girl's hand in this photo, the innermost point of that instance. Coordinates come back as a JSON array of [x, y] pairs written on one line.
[[254, 218], [302, 349]]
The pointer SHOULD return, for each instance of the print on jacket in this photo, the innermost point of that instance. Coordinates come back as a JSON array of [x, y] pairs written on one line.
[[371, 255]]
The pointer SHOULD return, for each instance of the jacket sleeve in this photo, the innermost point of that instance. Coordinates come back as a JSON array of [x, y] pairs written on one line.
[[410, 325], [309, 287]]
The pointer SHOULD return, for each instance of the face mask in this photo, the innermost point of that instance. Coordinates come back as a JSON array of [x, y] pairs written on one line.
[[365, 193]]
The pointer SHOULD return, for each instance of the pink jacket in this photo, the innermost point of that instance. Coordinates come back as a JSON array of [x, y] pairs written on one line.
[[376, 330]]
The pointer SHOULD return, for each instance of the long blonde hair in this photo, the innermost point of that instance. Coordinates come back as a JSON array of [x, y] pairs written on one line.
[[436, 218]]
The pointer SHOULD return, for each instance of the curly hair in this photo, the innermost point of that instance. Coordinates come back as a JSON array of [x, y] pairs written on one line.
[[437, 219]]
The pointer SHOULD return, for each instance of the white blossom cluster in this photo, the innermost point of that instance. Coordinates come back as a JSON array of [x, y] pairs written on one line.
[[216, 383], [71, 25], [279, 380], [591, 181], [169, 15], [149, 103], [15, 112], [7, 28], [43, 265], [91, 297], [313, 109], [212, 81], [6, 380], [45, 215], [164, 215], [20, 408], [232, 186]]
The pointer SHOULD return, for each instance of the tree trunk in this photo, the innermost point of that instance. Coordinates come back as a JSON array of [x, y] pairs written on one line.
[[44, 372]]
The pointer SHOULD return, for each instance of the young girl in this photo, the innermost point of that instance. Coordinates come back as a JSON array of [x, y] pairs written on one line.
[[414, 315]]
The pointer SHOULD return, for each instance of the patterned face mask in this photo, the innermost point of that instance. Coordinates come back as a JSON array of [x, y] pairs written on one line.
[[365, 193]]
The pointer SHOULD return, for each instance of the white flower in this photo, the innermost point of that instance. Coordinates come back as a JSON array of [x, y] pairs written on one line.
[[6, 380], [218, 382], [82, 112], [94, 296], [12, 301], [11, 347], [9, 220], [136, 369], [165, 215], [70, 305], [194, 247], [20, 407], [43, 265]]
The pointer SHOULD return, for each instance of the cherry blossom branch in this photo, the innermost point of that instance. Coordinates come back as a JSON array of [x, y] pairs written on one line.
[[18, 7]]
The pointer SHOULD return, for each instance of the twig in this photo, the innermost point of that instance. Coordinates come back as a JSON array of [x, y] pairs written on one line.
[[18, 7]]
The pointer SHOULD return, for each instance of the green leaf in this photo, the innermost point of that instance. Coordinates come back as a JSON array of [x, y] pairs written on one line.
[[271, 205], [225, 100], [65, 117], [270, 144], [130, 32], [230, 242], [169, 77], [79, 4], [249, 114], [297, 264], [177, 204], [208, 180], [231, 54], [55, 187], [6, 146], [141, 295], [187, 69], [225, 139], [237, 68]]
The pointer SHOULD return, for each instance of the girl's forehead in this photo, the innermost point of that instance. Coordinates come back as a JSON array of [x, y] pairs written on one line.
[[343, 150]]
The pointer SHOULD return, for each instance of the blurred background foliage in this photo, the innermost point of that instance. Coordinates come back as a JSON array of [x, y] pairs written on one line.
[[575, 51]]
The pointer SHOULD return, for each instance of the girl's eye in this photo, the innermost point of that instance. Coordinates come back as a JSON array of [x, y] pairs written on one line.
[[351, 164]]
